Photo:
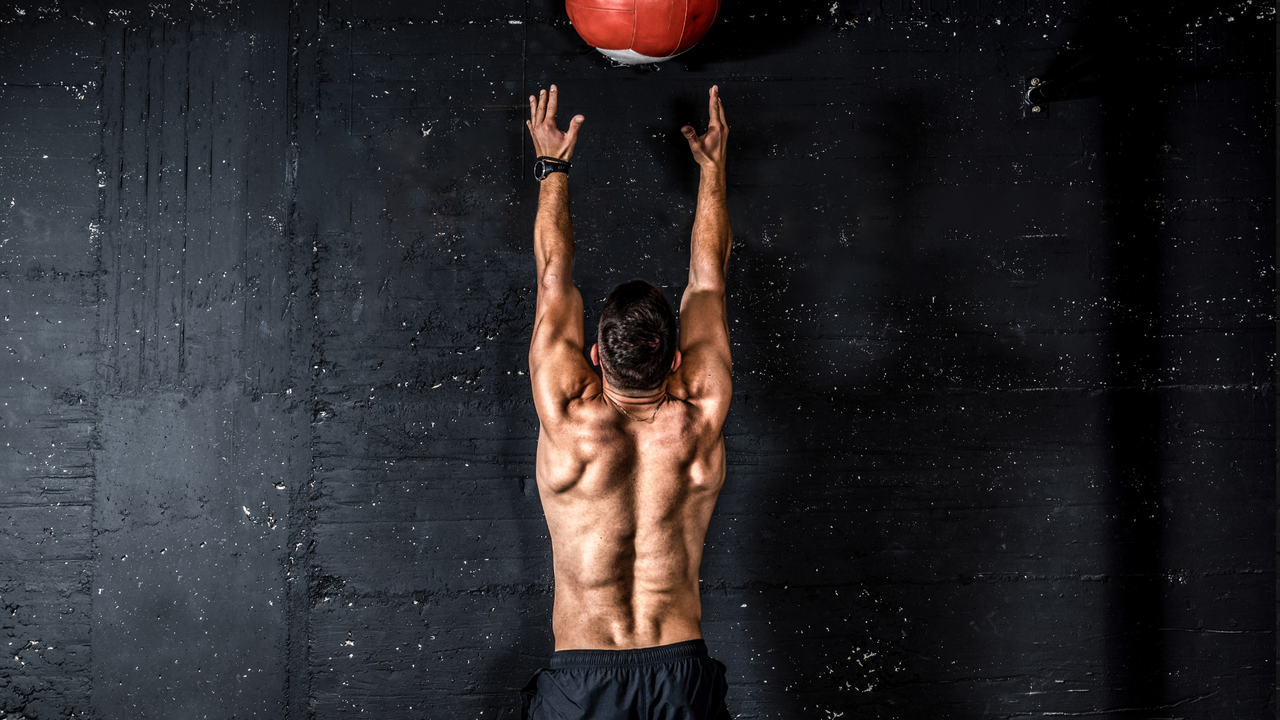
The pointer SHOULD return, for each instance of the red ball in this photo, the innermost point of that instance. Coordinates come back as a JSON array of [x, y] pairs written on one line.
[[642, 31]]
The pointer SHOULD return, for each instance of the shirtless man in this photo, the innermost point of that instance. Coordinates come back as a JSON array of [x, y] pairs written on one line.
[[629, 464]]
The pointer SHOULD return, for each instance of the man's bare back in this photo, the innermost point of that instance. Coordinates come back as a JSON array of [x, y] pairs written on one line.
[[629, 479], [628, 504]]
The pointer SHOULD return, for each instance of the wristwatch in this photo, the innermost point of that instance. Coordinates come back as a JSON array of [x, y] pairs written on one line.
[[544, 166]]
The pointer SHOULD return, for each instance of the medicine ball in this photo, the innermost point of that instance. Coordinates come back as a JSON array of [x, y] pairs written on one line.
[[642, 31]]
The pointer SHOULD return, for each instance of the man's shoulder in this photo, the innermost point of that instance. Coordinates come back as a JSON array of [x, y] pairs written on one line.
[[596, 423], [707, 394], [580, 414], [558, 396]]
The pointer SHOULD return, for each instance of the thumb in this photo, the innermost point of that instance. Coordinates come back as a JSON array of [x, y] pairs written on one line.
[[691, 136], [574, 124]]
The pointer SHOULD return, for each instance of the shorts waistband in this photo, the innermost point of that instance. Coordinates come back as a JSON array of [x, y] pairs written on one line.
[[629, 658]]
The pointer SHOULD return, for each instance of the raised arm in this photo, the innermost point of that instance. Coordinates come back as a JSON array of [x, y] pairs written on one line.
[[557, 367], [704, 325]]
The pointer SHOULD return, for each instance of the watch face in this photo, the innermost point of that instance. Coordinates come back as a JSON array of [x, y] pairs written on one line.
[[543, 168]]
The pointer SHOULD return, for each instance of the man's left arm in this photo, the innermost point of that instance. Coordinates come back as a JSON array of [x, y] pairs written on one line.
[[557, 368]]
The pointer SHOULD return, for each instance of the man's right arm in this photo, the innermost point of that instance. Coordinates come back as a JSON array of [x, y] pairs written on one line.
[[704, 326]]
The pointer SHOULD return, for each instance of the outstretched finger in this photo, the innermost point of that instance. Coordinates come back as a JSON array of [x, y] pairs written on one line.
[[533, 110], [551, 104], [540, 112], [720, 109], [713, 99]]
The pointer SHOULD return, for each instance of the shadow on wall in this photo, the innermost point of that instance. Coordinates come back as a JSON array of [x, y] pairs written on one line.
[[869, 412], [809, 446], [748, 29], [1116, 43]]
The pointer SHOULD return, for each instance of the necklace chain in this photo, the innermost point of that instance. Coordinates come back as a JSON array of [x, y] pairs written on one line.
[[633, 417]]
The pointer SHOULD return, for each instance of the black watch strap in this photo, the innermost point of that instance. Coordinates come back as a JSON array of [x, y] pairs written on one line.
[[545, 165]]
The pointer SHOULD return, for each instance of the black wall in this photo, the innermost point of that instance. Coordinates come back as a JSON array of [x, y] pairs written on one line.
[[1003, 434]]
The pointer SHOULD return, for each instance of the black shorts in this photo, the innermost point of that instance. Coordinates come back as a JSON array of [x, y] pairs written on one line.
[[669, 682]]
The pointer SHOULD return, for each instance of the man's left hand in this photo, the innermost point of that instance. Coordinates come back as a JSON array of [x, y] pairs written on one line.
[[548, 140]]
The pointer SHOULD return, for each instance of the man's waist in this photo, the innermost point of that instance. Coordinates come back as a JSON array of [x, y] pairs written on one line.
[[632, 657]]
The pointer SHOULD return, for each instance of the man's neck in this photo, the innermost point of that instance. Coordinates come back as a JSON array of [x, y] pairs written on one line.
[[636, 401]]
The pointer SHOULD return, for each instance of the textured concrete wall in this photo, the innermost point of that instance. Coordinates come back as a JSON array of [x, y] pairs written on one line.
[[50, 232], [1003, 433]]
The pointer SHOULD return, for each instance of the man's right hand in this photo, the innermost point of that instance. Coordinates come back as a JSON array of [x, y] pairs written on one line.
[[548, 140], [709, 148]]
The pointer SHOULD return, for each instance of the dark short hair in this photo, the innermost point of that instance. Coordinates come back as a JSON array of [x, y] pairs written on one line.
[[637, 337]]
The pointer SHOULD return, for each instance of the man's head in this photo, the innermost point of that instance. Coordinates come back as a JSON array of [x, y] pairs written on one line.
[[637, 338]]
